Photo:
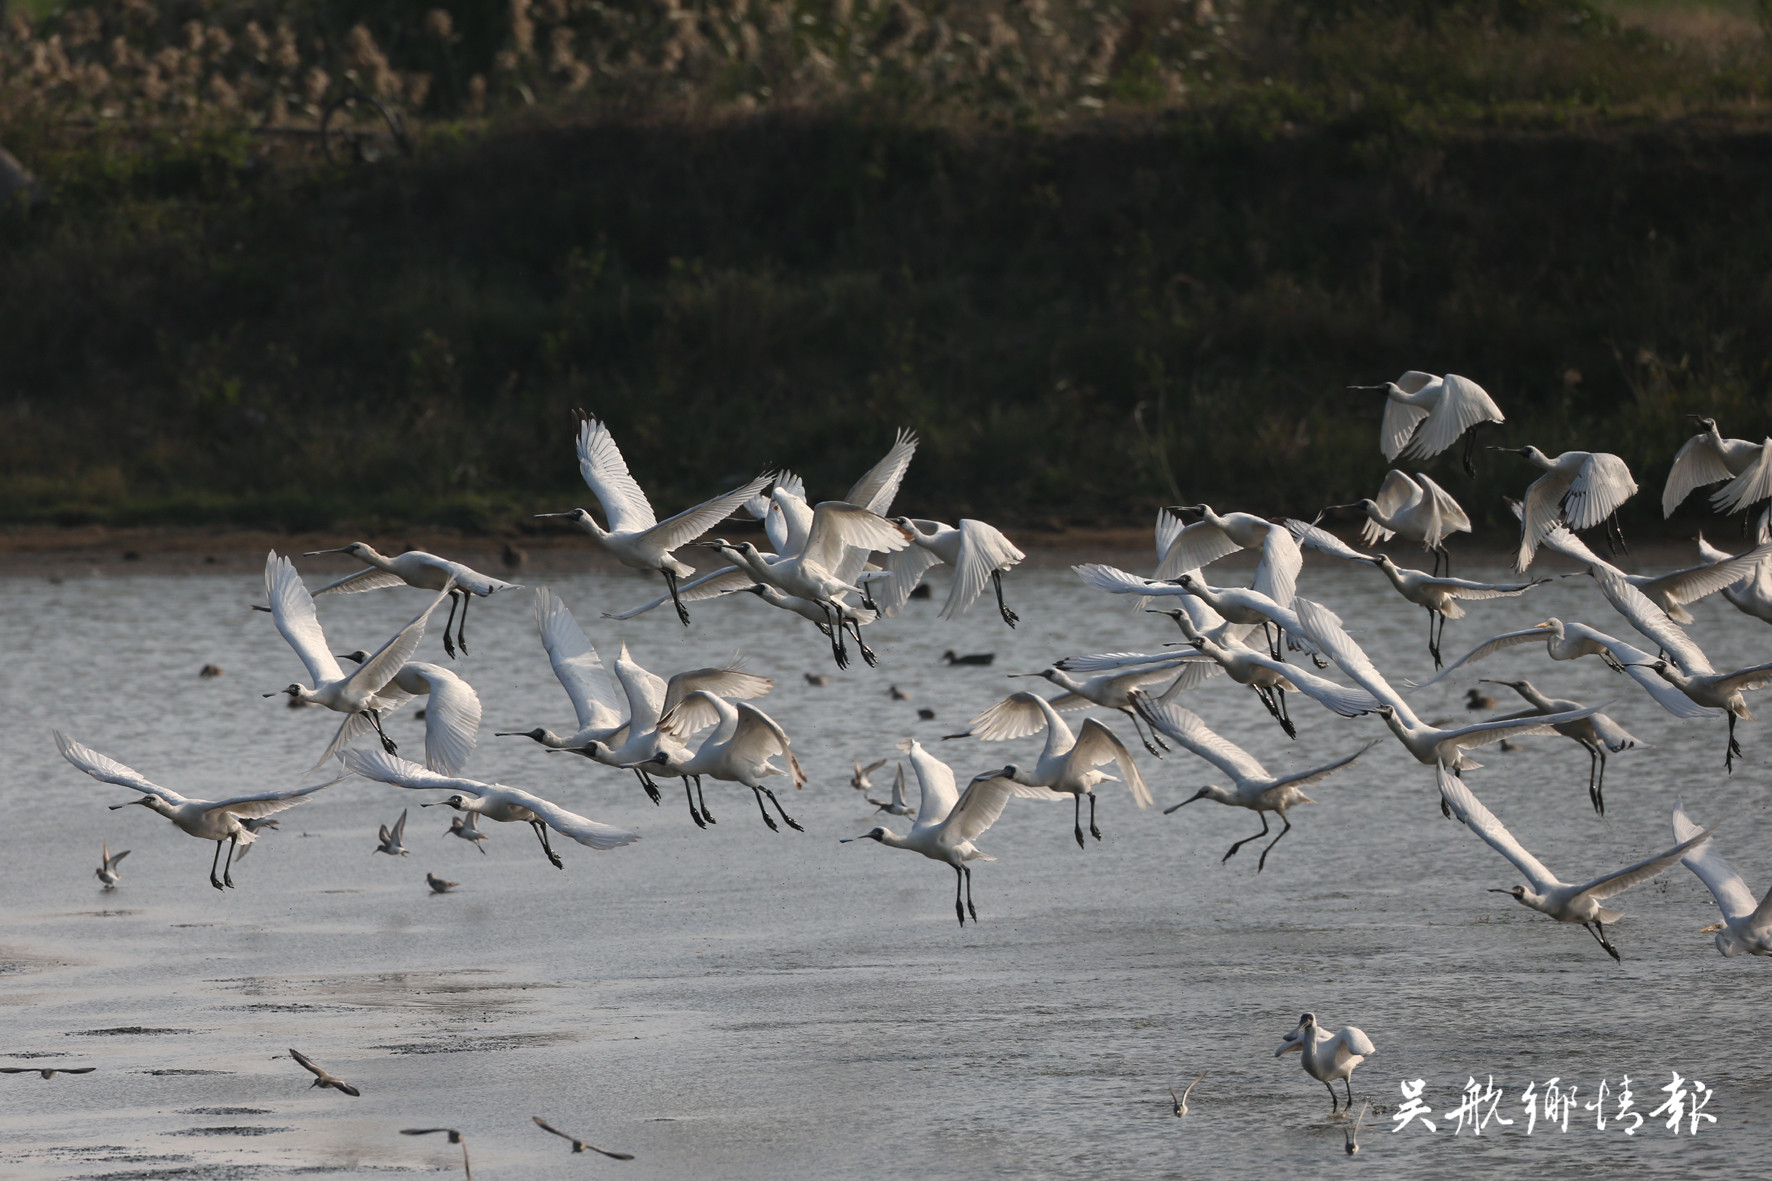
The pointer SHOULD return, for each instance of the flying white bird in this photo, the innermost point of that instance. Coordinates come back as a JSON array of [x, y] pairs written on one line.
[[597, 701], [636, 537], [1597, 733], [452, 713], [1180, 1100], [1418, 510], [1747, 925], [740, 749], [1425, 414], [1328, 1056], [1216, 536], [1752, 594], [1112, 689], [1579, 489], [494, 801], [1252, 786], [419, 569], [1547, 893], [292, 607], [393, 839], [979, 553], [1708, 457], [1068, 763], [948, 822], [107, 871], [208, 820]]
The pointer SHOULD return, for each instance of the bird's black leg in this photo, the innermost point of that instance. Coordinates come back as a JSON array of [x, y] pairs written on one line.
[[228, 865], [867, 653], [1138, 728], [1262, 863], [970, 909], [1432, 647], [1246, 840], [1334, 1099], [1600, 782], [1448, 554], [646, 782], [1348, 1083], [213, 862], [839, 651], [1009, 617], [1285, 711], [1607, 943], [790, 821], [767, 819], [1593, 772], [1093, 831], [541, 834], [1733, 749], [689, 793], [1273, 643], [1470, 469], [461, 625], [449, 644], [1436, 553], [1077, 819], [705, 814], [682, 612], [387, 743], [959, 909]]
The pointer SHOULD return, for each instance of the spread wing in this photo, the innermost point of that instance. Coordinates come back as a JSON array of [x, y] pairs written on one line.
[[1096, 744], [1399, 423], [605, 472], [875, 490], [907, 568], [381, 668], [1489, 647], [1750, 487], [596, 698], [1697, 582], [1352, 1038], [374, 578], [836, 526], [730, 682], [983, 551], [1650, 867], [266, 803], [691, 523], [1277, 575], [1396, 493], [1698, 462], [452, 717], [708, 586], [580, 828], [1324, 541], [1016, 716], [935, 782], [1450, 515], [1462, 404], [108, 770], [398, 832], [1188, 729], [1169, 527], [1197, 546], [759, 736], [1322, 629], [1603, 483], [645, 692], [293, 610], [377, 764], [1733, 897], [1481, 821], [1650, 619], [984, 800]]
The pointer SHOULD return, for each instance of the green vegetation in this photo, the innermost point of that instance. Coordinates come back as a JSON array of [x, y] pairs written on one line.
[[1100, 255]]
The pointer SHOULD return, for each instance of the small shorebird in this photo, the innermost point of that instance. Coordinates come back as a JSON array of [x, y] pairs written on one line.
[[1328, 1056], [467, 827], [895, 806], [438, 885], [47, 1071], [577, 1144], [107, 873], [1353, 1133], [860, 781], [455, 1137], [321, 1077], [391, 838], [1181, 1101]]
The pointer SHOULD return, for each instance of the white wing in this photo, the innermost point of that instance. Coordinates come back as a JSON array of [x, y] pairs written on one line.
[[1540, 510], [907, 568], [1750, 487], [983, 550], [1481, 821], [595, 697], [1602, 484], [1450, 515], [1396, 493], [1277, 575], [1488, 648], [691, 523], [606, 474], [266, 803], [1698, 462], [1169, 527], [1188, 729], [1462, 405], [759, 736], [381, 668], [1115, 581], [372, 762], [729, 681], [109, 770], [1324, 541], [645, 692], [580, 828], [836, 526], [1353, 1040], [452, 715], [1697, 582], [1016, 716], [935, 782], [1197, 546], [374, 578], [1399, 423], [1733, 897], [1345, 700], [1650, 867], [1096, 744], [1650, 619], [1321, 628], [293, 610], [983, 801], [875, 490], [708, 586]]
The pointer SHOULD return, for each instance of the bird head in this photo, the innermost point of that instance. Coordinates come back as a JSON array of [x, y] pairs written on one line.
[[356, 657], [1709, 424], [356, 549], [293, 691], [539, 734], [872, 834], [455, 802], [1185, 580], [1051, 674], [1518, 892], [1386, 711], [1210, 792], [145, 801]]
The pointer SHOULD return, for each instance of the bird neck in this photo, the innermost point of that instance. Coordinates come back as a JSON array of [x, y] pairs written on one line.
[[377, 559], [589, 524], [892, 839]]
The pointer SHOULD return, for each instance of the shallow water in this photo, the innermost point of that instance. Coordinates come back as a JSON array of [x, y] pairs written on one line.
[[740, 1003]]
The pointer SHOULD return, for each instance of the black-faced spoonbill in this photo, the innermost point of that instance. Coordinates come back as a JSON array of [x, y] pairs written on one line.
[[1415, 508], [1597, 734], [416, 568], [1747, 924], [1708, 457], [740, 749], [978, 553], [1579, 489], [1424, 414], [1328, 1056]]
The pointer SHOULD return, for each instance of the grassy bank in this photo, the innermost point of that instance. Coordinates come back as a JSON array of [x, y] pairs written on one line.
[[1082, 317]]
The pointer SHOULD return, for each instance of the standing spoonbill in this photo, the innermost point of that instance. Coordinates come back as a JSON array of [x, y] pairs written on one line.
[[419, 569], [635, 536], [948, 822], [1328, 1056], [207, 820]]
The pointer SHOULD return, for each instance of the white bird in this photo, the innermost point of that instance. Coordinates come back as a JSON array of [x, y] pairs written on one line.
[[1440, 595], [1579, 489], [1747, 925], [597, 701], [494, 801], [1068, 763], [849, 617], [419, 569], [208, 820], [860, 781], [635, 537], [948, 822], [393, 839], [1417, 509], [979, 553], [1425, 414], [1252, 786], [467, 827], [1246, 609], [107, 871], [1112, 689], [1216, 536], [1597, 733], [1752, 594], [452, 713], [1328, 1056], [1708, 457], [895, 806], [1547, 893], [1429, 744], [740, 749], [292, 607], [1181, 1099]]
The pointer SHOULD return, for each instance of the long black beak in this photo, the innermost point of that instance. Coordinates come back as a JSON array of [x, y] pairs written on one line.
[[1499, 891], [1199, 795]]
